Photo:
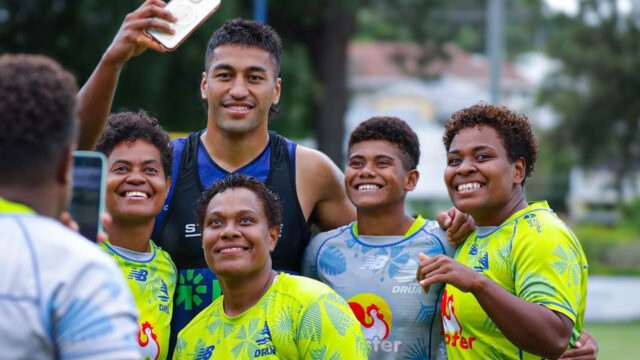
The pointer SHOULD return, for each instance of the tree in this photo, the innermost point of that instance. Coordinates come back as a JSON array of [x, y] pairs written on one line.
[[595, 91]]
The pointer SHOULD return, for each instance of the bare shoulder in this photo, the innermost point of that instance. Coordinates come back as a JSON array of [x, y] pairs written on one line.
[[320, 188], [315, 169]]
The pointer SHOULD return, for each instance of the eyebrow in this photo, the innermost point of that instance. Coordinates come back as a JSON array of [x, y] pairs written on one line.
[[252, 68], [379, 156], [476, 148], [127, 162]]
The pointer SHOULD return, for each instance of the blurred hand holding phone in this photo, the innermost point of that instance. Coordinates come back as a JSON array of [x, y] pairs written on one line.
[[87, 197], [190, 14]]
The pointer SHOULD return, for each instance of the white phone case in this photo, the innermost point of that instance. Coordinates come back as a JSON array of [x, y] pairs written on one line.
[[190, 14]]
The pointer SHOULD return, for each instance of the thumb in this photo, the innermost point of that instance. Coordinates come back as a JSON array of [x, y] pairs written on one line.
[[422, 257]]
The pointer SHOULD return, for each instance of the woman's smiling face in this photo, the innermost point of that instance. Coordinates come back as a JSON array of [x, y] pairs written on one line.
[[481, 179]]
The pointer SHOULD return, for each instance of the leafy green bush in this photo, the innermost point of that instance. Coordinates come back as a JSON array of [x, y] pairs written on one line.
[[611, 250]]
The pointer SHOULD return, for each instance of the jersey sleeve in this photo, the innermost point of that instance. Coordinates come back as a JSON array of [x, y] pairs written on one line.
[[547, 265], [327, 329], [309, 268], [93, 315]]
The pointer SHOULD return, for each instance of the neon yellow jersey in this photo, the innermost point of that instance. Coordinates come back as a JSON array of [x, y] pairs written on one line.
[[297, 318], [152, 282], [533, 255]]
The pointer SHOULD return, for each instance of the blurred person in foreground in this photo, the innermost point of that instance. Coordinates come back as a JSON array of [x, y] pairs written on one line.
[[262, 313], [60, 295], [138, 168], [372, 262], [517, 286]]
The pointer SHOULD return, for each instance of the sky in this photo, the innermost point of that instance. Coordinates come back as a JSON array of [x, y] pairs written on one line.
[[571, 6]]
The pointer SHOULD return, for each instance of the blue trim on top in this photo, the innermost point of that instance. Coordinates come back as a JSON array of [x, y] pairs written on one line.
[[513, 236], [153, 247], [558, 305], [385, 245]]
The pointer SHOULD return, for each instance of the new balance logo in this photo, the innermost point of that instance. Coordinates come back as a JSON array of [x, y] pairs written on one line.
[[204, 353], [138, 275]]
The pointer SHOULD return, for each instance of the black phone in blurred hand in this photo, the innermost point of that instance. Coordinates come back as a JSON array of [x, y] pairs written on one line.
[[87, 199]]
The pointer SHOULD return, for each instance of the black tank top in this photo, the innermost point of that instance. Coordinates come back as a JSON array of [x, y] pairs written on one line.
[[179, 236]]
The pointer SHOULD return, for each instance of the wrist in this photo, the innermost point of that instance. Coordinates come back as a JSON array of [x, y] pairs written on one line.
[[110, 62], [478, 283]]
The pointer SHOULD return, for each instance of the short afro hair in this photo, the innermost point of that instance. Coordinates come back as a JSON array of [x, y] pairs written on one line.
[[393, 130], [37, 117], [270, 200], [248, 33], [130, 126], [513, 128]]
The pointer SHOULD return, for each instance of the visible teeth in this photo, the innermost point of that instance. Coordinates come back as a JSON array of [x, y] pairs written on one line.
[[238, 107], [368, 187], [231, 249], [469, 186], [135, 194]]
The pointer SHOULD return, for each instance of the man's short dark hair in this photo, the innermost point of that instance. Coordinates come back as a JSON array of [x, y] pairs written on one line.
[[393, 130], [37, 117], [131, 126], [248, 33], [270, 201], [513, 128]]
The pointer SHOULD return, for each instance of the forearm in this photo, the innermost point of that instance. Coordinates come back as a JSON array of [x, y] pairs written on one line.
[[531, 327], [94, 101]]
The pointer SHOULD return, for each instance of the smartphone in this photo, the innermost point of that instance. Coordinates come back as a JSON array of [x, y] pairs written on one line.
[[190, 14], [87, 196]]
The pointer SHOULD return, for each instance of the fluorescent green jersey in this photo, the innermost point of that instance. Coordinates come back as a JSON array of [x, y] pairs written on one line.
[[534, 256], [297, 318], [152, 281]]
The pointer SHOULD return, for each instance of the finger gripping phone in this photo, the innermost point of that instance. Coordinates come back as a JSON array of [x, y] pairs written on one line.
[[87, 196], [190, 14]]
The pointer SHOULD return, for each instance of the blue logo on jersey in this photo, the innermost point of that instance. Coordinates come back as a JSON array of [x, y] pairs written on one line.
[[473, 250], [264, 340], [204, 353], [164, 289], [533, 222], [266, 333], [138, 275], [483, 263]]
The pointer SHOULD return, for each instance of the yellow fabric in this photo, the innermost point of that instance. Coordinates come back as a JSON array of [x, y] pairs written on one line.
[[534, 256], [417, 224]]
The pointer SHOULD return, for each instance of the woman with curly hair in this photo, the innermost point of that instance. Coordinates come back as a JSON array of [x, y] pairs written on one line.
[[517, 287]]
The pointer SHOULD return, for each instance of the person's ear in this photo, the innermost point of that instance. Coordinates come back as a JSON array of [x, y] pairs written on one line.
[[276, 94], [203, 86], [274, 233], [520, 171], [412, 180], [64, 172]]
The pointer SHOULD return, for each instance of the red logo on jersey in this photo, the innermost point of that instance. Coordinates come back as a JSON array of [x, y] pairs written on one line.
[[373, 313], [451, 327], [148, 342]]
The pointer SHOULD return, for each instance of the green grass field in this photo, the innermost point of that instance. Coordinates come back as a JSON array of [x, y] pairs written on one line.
[[617, 340]]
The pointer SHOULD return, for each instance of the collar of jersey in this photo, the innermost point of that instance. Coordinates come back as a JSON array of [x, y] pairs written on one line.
[[9, 207], [417, 225], [533, 206], [115, 251]]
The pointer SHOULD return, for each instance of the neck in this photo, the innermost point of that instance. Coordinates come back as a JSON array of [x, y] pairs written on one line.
[[43, 199], [134, 237], [241, 294], [389, 221], [232, 151], [495, 217]]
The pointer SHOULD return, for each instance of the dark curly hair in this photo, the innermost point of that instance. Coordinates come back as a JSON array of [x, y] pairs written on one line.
[[393, 130], [130, 126], [249, 33], [513, 128], [37, 117], [270, 201]]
